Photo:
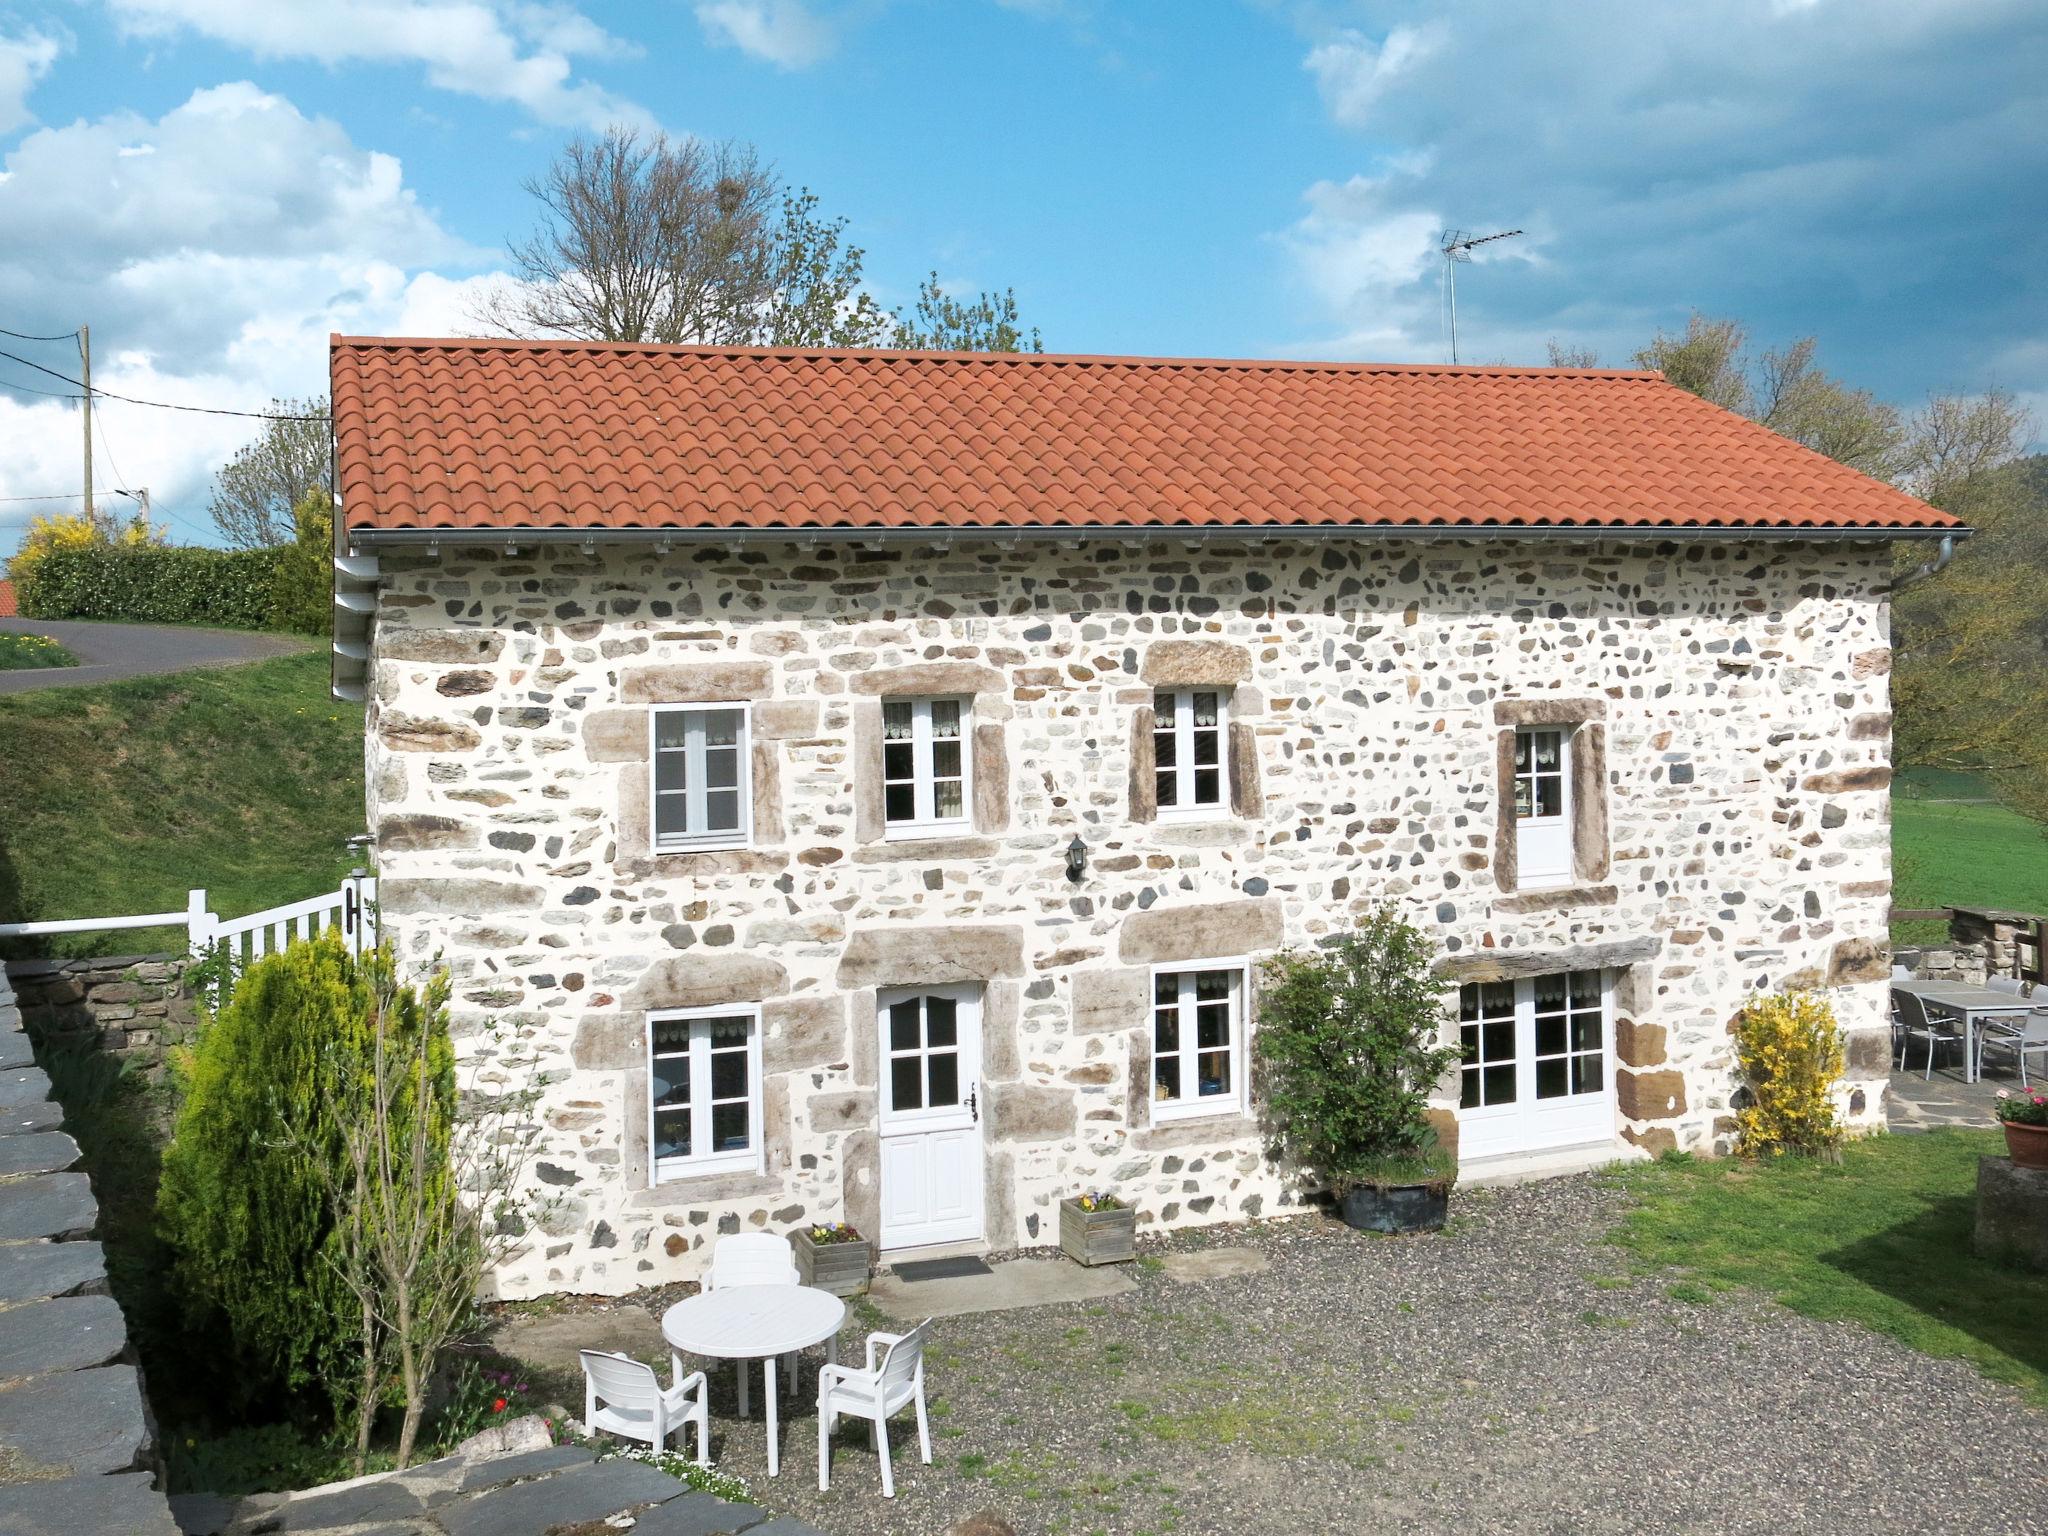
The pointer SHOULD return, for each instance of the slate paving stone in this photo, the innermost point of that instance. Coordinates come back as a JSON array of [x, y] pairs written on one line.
[[47, 1205], [592, 1492], [507, 1469], [32, 1270], [15, 1049], [74, 1506], [23, 1119], [23, 1085], [385, 1500], [39, 1152], [698, 1514], [67, 1333], [201, 1514], [80, 1421], [784, 1525]]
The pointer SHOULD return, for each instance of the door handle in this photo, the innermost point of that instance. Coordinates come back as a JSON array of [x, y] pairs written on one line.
[[974, 1104]]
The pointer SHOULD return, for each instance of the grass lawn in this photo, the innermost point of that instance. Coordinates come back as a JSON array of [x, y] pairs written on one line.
[[19, 652], [243, 780], [1882, 1239], [1956, 852]]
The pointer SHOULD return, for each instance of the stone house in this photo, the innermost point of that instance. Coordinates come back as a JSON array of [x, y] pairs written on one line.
[[865, 785]]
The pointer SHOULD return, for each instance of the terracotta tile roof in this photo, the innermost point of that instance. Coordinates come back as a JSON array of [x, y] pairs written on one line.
[[7, 609], [588, 435]]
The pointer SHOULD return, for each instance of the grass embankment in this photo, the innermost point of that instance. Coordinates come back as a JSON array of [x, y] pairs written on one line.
[[246, 781], [1883, 1239], [24, 652], [1953, 844]]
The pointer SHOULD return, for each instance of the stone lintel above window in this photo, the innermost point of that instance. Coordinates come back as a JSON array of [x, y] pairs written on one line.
[[697, 682], [1548, 711], [1195, 664], [1510, 964]]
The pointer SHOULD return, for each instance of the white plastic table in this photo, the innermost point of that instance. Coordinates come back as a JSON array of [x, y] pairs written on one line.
[[756, 1322]]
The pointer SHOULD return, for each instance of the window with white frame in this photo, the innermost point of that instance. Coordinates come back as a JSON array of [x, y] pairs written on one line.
[[1533, 1069], [704, 1091], [1542, 794], [1188, 731], [927, 770], [703, 777], [1197, 1042]]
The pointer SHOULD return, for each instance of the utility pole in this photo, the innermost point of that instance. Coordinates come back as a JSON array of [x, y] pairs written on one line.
[[85, 412]]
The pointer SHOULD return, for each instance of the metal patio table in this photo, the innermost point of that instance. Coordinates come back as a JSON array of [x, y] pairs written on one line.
[[1969, 1004]]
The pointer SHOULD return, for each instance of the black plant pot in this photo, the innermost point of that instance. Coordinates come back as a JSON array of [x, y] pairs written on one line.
[[1398, 1208]]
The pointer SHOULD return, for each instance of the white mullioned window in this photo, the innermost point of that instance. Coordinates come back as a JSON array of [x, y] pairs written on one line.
[[1534, 1068], [927, 769], [703, 776], [1542, 791], [704, 1091], [1189, 727], [1198, 1044]]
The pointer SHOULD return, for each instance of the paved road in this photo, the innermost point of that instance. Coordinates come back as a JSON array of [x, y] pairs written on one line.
[[108, 652]]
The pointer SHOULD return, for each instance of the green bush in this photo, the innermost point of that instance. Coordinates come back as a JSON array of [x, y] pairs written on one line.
[[1346, 1056], [302, 586], [152, 584], [245, 1200]]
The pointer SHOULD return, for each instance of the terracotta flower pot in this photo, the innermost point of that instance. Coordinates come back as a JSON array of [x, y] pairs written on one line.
[[2026, 1144]]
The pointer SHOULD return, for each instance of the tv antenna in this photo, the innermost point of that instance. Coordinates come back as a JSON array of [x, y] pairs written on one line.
[[1457, 247]]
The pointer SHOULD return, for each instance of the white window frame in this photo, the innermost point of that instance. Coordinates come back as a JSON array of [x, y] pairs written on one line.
[[1183, 769], [1198, 1108], [1551, 830], [923, 781], [1526, 1122], [699, 842], [663, 1170]]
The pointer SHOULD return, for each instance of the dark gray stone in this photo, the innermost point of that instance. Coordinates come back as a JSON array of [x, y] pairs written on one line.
[[784, 1525], [698, 1514], [49, 1205], [72, 1506], [80, 1421], [67, 1334], [386, 1499], [15, 1050], [32, 1270], [38, 1152], [593, 1492], [500, 1470], [201, 1514], [23, 1085], [27, 1119], [2012, 1213]]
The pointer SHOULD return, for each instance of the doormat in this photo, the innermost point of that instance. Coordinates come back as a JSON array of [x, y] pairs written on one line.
[[941, 1269]]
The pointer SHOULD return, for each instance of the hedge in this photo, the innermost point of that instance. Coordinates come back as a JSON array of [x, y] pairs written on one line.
[[179, 584]]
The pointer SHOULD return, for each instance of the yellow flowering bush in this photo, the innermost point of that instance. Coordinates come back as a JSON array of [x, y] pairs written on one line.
[[1790, 1051]]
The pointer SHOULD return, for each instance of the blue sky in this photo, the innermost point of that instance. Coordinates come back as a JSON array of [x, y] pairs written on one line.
[[216, 184]]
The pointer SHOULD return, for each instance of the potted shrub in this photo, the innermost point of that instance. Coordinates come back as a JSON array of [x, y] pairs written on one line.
[[1347, 1054], [1098, 1228], [2024, 1118], [833, 1257]]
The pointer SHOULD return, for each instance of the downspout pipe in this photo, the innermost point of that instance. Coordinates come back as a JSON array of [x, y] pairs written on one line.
[[1943, 553]]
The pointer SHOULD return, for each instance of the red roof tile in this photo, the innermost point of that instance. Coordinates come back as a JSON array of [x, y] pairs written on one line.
[[588, 435], [7, 609]]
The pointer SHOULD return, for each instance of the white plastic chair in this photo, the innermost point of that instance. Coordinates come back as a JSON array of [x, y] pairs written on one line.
[[638, 1407], [873, 1394], [754, 1258]]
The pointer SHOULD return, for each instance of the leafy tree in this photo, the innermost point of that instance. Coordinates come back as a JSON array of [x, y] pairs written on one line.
[[644, 238], [1562, 356], [302, 586], [255, 491]]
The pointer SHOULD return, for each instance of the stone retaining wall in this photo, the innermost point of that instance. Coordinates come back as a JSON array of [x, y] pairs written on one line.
[[132, 1006], [77, 1444]]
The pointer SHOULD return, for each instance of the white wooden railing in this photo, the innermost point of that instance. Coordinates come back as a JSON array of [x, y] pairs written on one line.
[[352, 909]]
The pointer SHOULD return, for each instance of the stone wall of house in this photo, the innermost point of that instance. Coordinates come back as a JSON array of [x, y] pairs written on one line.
[[1739, 691], [135, 1007]]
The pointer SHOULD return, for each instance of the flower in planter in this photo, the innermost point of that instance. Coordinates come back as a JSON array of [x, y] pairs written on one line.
[[1098, 1200], [2028, 1108], [834, 1232]]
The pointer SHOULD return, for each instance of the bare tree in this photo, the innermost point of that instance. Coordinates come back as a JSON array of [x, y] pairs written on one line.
[[255, 491], [1562, 356]]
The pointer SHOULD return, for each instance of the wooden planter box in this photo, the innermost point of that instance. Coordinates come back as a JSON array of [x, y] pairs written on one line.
[[1098, 1237], [844, 1269]]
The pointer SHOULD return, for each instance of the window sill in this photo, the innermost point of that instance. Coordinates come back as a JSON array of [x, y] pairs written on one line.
[[927, 832], [1196, 1131], [1551, 898], [704, 1188], [907, 850], [1184, 1114]]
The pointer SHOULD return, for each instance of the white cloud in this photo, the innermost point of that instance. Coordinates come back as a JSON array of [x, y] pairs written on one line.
[[1840, 171], [1353, 71], [780, 32], [23, 61], [497, 50], [213, 250]]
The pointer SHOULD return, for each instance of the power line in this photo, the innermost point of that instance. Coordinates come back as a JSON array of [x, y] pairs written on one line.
[[161, 405], [30, 389], [24, 335], [57, 496]]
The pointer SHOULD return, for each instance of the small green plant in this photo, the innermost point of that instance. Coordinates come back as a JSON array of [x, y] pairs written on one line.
[[26, 652], [1098, 1200], [2027, 1108], [479, 1397], [1347, 1056], [721, 1485], [1790, 1053]]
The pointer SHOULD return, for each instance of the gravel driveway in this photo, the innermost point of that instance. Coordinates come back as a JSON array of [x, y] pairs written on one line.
[[1508, 1375], [108, 652]]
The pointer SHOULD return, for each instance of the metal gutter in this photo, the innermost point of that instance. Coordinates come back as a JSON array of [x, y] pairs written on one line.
[[666, 538]]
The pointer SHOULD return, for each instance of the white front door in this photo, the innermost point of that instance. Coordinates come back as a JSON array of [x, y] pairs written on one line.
[[931, 1116], [1538, 1064]]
